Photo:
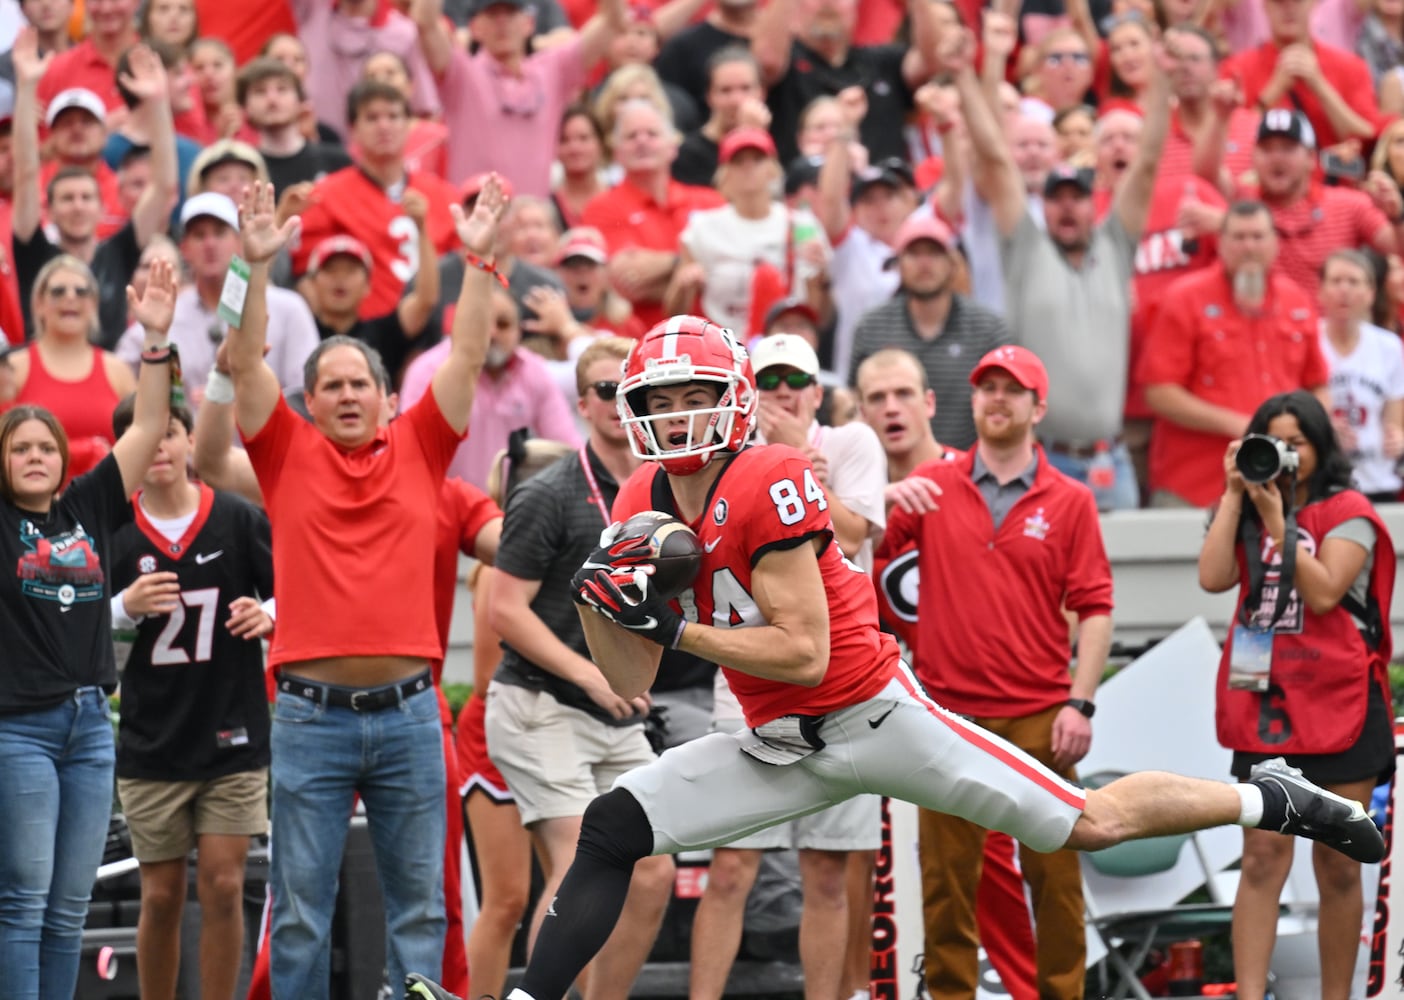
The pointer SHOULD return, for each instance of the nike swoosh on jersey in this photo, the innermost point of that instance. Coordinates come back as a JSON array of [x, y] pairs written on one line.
[[882, 718], [202, 558], [711, 545]]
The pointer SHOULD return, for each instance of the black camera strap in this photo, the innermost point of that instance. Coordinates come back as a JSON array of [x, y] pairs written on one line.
[[1257, 569]]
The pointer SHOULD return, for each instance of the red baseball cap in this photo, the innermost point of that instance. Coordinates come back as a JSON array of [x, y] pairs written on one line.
[[582, 241], [923, 227], [745, 138], [473, 186], [1022, 365], [341, 244]]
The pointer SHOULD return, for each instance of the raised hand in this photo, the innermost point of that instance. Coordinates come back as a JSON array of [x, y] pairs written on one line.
[[258, 224], [156, 307], [147, 77], [957, 50], [30, 66], [1000, 33], [478, 232], [415, 205]]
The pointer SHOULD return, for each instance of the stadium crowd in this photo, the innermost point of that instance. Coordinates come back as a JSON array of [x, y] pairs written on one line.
[[1182, 207]]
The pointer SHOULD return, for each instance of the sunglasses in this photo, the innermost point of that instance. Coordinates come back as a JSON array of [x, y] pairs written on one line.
[[795, 380], [63, 291], [605, 390], [1058, 58]]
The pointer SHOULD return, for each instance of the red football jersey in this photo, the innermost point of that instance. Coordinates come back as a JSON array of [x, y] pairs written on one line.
[[349, 202], [767, 498]]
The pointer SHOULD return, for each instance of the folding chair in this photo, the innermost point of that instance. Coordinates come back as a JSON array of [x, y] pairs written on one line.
[[1131, 934]]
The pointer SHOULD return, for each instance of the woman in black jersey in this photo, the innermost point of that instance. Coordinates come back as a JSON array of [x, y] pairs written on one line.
[[58, 667]]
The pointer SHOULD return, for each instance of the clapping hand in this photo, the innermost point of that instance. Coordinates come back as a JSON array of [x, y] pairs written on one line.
[[156, 307], [258, 225], [478, 232]]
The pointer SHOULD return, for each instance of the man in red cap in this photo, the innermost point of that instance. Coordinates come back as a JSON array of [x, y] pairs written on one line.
[[1013, 541], [943, 329], [340, 270]]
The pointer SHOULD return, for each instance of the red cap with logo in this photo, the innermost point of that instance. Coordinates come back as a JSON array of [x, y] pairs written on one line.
[[1022, 364], [334, 245]]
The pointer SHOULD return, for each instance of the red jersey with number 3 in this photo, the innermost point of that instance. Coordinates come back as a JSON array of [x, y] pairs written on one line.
[[349, 202], [767, 499]]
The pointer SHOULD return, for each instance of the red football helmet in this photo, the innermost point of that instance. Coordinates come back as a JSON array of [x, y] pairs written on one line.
[[675, 352]]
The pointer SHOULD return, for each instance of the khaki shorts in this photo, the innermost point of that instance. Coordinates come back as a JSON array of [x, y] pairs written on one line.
[[556, 759], [167, 817]]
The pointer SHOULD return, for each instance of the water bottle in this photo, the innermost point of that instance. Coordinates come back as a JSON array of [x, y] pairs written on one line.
[[804, 230], [1101, 474]]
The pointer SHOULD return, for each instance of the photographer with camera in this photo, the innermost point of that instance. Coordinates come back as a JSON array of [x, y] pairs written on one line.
[[1304, 670]]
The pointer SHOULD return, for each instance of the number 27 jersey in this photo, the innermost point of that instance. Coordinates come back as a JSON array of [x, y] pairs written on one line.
[[767, 499]]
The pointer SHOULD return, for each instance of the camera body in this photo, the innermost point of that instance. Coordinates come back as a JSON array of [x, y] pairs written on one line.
[[1261, 458]]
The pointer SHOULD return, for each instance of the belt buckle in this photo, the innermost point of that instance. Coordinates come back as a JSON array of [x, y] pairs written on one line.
[[356, 705]]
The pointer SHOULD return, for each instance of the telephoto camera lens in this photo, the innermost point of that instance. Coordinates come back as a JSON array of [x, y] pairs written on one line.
[[1262, 458]]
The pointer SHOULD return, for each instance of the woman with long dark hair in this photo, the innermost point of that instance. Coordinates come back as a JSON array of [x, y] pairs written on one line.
[[1303, 677], [55, 735]]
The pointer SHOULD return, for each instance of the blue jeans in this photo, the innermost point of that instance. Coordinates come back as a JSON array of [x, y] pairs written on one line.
[[55, 802], [322, 757], [1123, 494]]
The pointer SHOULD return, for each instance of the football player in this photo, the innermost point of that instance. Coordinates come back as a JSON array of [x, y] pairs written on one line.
[[832, 709]]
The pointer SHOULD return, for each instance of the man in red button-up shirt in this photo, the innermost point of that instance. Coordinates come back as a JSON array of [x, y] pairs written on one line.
[[1227, 338]]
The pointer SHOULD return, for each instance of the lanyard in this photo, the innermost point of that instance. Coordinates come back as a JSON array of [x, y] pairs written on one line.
[[595, 494]]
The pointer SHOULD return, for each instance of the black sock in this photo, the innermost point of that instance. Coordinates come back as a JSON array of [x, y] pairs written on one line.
[[1274, 806], [614, 836]]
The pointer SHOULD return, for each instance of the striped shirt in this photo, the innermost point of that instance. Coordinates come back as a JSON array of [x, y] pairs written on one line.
[[970, 332], [1325, 220]]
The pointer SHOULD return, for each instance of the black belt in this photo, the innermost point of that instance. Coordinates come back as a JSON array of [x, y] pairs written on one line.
[[356, 699], [1081, 449]]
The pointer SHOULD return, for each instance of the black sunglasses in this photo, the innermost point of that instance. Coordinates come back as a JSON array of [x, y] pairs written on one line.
[[795, 380], [605, 390]]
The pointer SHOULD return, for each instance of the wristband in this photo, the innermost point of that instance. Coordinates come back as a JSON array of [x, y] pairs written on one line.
[[156, 355], [219, 388], [473, 260]]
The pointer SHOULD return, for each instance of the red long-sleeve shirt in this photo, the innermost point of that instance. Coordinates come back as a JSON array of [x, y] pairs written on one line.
[[994, 642]]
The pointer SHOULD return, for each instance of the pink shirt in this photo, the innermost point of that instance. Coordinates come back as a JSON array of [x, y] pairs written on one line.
[[523, 395], [1335, 22], [338, 46], [507, 123]]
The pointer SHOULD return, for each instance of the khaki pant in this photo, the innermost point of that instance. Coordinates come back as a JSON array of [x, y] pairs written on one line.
[[952, 852]]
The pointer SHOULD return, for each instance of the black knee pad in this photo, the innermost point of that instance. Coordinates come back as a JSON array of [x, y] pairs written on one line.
[[615, 830]]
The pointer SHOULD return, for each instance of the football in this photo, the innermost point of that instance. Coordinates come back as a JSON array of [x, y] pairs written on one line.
[[675, 553]]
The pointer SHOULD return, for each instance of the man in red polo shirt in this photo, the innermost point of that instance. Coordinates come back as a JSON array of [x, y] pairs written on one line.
[[1292, 70], [643, 217], [355, 512], [1013, 540], [363, 200], [1311, 219], [92, 63], [1227, 338]]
